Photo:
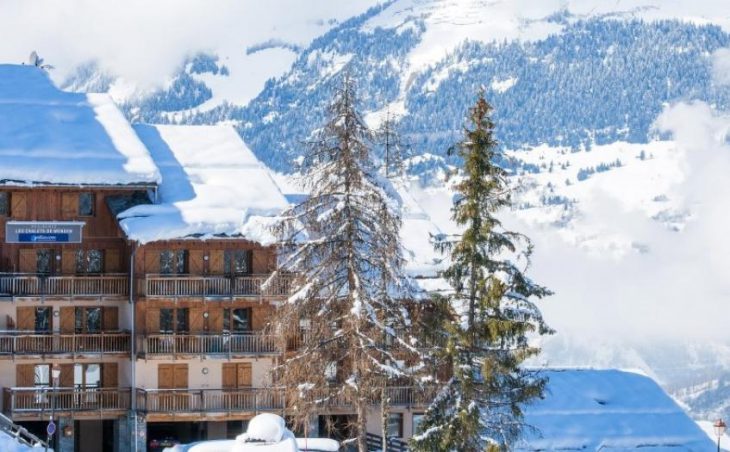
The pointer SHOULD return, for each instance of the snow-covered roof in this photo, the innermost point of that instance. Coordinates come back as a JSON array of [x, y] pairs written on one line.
[[212, 186], [609, 410], [48, 136]]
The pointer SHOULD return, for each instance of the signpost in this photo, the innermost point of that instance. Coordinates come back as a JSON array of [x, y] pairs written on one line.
[[43, 231]]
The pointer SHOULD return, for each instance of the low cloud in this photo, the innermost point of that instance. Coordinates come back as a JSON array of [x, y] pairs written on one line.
[[145, 41]]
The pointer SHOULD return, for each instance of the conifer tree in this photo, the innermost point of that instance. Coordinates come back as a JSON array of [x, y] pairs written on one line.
[[490, 313], [393, 148], [342, 244]]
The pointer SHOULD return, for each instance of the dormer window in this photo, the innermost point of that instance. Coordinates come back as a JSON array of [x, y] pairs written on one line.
[[86, 204], [4, 203]]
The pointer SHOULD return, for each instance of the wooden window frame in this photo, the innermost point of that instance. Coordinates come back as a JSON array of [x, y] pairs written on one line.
[[398, 417]]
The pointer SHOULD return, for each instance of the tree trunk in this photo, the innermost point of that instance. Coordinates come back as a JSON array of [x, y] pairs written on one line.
[[362, 443], [384, 418]]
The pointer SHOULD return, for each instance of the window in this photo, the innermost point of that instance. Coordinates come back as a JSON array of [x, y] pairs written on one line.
[[42, 375], [237, 320], [395, 425], [44, 261], [4, 203], [86, 204], [237, 262], [330, 372], [174, 320], [43, 319], [89, 261], [87, 376], [417, 419], [88, 320], [173, 262]]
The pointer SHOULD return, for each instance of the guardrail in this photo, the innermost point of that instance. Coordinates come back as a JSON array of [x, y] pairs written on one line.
[[32, 343], [252, 400], [40, 285], [215, 286], [206, 344], [43, 401]]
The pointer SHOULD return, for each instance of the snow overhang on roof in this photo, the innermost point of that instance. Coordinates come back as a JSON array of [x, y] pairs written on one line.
[[212, 187], [52, 137]]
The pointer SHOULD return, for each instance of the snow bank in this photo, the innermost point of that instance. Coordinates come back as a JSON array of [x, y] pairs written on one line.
[[609, 409], [212, 185], [51, 136], [266, 432]]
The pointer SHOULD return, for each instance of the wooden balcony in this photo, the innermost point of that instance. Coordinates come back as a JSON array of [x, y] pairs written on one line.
[[249, 401], [191, 403], [215, 286], [218, 344], [38, 403], [29, 343], [31, 285]]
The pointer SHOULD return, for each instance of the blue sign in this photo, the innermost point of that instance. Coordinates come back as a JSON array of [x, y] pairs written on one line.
[[51, 429], [43, 231], [42, 238]]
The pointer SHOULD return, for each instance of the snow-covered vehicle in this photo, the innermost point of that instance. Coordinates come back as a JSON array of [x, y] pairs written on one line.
[[266, 432]]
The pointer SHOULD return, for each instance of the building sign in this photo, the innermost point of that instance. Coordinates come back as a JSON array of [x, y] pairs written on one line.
[[43, 231]]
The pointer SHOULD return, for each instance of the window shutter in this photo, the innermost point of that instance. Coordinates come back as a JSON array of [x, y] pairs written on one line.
[[181, 376], [26, 318], [69, 205], [68, 319], [68, 261], [244, 375], [197, 321], [260, 261], [67, 376], [216, 262], [195, 262], [151, 261], [112, 261], [27, 260], [215, 319], [109, 378], [24, 375], [164, 376], [111, 318], [229, 376], [18, 205], [153, 320]]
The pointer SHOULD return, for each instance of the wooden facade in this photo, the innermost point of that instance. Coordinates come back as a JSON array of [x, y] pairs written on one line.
[[100, 232]]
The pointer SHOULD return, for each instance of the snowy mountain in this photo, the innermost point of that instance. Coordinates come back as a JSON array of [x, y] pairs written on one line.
[[615, 115]]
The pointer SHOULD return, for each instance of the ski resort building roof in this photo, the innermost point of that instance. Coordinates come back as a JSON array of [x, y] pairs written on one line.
[[609, 410], [48, 136], [212, 186]]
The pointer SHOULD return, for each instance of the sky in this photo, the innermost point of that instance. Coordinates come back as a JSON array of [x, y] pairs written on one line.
[[144, 41]]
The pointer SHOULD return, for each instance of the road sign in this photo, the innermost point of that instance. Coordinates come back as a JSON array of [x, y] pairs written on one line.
[[51, 429]]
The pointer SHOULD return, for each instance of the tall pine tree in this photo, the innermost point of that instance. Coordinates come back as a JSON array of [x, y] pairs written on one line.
[[488, 317], [342, 243]]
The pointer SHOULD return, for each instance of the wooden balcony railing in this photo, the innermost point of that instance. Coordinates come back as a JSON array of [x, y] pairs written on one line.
[[206, 344], [42, 401], [38, 285], [255, 400], [32, 343], [251, 400], [220, 286]]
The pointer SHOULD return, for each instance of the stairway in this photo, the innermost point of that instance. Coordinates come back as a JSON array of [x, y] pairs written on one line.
[[20, 434]]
